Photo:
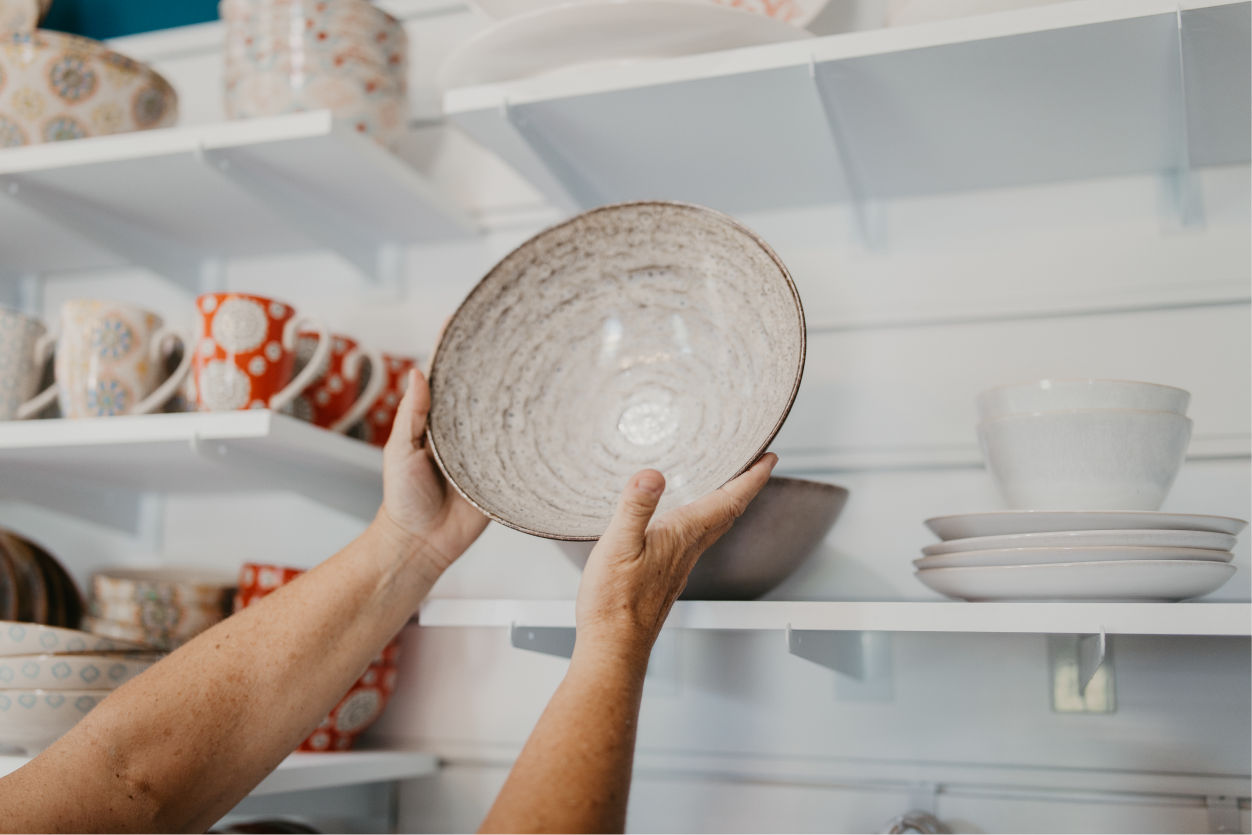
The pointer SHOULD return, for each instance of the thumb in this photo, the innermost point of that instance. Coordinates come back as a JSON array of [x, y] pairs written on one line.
[[409, 429], [634, 511]]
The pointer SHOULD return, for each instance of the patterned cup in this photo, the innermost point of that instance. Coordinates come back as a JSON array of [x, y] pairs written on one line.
[[246, 352], [336, 400], [365, 699], [110, 358], [25, 346], [381, 415]]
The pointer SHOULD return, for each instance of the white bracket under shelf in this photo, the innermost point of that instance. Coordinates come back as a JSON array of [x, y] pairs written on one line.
[[1183, 184], [580, 192], [861, 659], [1081, 674]]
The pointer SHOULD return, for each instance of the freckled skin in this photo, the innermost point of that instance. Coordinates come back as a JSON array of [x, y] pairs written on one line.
[[178, 746]]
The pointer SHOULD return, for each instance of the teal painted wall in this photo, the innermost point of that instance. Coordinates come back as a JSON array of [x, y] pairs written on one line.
[[113, 18]]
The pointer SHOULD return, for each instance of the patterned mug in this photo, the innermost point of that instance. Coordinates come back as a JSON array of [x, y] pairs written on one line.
[[25, 345], [110, 358], [246, 352], [381, 415], [335, 400]]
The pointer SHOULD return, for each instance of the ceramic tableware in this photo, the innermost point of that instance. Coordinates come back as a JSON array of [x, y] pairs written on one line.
[[33, 719], [336, 400], [71, 672], [580, 36], [29, 591], [364, 701], [182, 586], [59, 86], [782, 526], [19, 15], [648, 334], [25, 346], [1070, 539], [1085, 459], [1007, 522], [347, 56], [798, 13], [1143, 580], [375, 425], [35, 639], [245, 353], [1091, 553], [110, 360], [1060, 395], [164, 607], [65, 605]]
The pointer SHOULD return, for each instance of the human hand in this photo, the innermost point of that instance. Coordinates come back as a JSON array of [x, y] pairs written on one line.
[[418, 502], [640, 565]]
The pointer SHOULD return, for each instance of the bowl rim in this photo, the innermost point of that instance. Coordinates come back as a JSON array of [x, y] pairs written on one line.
[[1079, 413], [429, 436], [1023, 383]]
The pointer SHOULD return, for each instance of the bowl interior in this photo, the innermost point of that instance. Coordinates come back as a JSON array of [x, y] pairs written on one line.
[[651, 334]]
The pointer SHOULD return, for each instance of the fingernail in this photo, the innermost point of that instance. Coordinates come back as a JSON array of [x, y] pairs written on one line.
[[650, 482]]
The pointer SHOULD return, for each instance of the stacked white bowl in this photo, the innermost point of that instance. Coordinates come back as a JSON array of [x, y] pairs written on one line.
[[51, 677], [348, 56], [1084, 466]]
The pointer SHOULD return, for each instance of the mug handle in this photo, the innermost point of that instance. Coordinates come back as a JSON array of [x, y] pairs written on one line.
[[352, 372], [43, 349], [311, 371], [167, 389]]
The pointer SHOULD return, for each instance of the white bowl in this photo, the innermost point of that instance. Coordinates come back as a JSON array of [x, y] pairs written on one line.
[[1059, 395], [34, 719], [72, 672], [1085, 459], [33, 639]]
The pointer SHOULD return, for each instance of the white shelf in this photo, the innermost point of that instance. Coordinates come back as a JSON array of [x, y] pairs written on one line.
[[1075, 90], [180, 200], [300, 772], [1074, 618], [92, 468]]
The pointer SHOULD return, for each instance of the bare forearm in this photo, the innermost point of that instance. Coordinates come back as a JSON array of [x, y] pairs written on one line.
[[573, 775], [184, 742]]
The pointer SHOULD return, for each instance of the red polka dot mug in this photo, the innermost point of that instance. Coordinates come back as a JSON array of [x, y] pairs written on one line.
[[335, 400], [246, 352]]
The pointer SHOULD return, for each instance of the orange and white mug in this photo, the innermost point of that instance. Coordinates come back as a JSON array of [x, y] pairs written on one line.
[[335, 400]]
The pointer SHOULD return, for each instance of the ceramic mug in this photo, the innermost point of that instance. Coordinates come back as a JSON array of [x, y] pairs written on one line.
[[109, 360], [246, 352], [25, 345], [381, 415], [335, 400]]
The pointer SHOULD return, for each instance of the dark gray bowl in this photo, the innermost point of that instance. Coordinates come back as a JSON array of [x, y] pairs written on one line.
[[784, 524]]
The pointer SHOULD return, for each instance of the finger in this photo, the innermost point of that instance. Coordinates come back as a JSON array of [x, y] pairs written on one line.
[[634, 511], [410, 424], [744, 488], [716, 512]]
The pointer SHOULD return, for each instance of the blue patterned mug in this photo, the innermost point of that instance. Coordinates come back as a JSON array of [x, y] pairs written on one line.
[[24, 348]]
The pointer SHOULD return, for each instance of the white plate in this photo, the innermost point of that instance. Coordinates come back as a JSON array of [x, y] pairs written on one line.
[[796, 12], [1003, 522], [1071, 539], [581, 36], [1131, 580], [1041, 556]]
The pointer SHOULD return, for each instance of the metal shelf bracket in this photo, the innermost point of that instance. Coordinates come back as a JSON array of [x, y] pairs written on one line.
[[861, 661], [1183, 186], [582, 193], [381, 262], [1081, 673], [550, 640]]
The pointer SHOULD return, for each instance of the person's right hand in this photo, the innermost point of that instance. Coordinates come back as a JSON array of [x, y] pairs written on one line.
[[640, 565]]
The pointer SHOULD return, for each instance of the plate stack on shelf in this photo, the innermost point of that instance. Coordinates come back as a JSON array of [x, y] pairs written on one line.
[[163, 607], [34, 586], [1085, 464]]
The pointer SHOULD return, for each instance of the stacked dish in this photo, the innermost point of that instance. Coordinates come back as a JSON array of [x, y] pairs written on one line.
[[348, 56], [51, 677], [163, 607], [1085, 464], [34, 587]]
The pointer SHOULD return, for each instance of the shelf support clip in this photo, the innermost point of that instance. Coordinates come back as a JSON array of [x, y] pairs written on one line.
[[578, 192], [550, 640], [1081, 673], [861, 660]]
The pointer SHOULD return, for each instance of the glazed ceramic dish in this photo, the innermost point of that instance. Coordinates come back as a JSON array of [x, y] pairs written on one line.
[[1042, 556], [1146, 580], [33, 719], [782, 526], [34, 639], [71, 672], [1059, 395], [648, 334], [55, 86], [1007, 522], [34, 587], [591, 35], [25, 346], [1071, 539]]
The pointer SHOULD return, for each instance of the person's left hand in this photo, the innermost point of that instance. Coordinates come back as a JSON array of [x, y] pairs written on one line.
[[417, 499]]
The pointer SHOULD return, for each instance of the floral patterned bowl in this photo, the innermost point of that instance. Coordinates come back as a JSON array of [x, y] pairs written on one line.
[[73, 672], [32, 639], [32, 719], [55, 86]]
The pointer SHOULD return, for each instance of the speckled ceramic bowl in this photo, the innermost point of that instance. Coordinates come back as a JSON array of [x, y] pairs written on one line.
[[33, 719], [649, 334], [55, 86], [72, 672], [784, 524]]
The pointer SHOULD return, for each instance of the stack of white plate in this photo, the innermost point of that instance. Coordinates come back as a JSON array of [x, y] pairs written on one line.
[[1079, 555]]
